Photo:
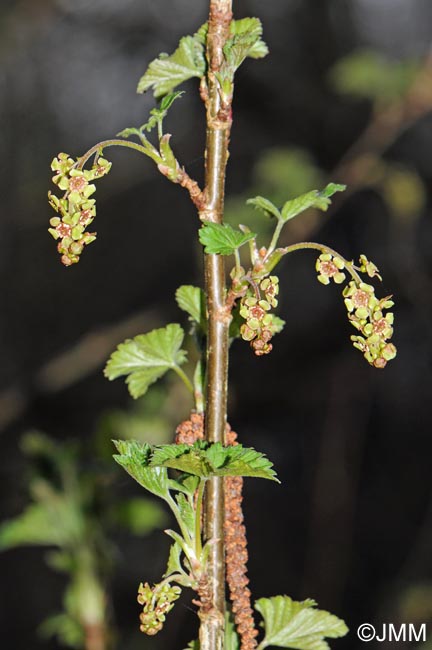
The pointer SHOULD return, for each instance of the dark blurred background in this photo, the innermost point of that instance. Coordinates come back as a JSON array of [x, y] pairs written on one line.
[[345, 95]]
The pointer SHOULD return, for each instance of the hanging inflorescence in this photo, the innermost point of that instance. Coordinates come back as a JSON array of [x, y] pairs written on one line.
[[157, 601], [76, 209], [255, 306], [365, 310]]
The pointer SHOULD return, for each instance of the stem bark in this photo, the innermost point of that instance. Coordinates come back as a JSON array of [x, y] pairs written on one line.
[[218, 131]]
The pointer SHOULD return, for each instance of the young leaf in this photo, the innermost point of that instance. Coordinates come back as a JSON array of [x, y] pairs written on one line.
[[213, 459], [315, 199], [130, 130], [167, 72], [193, 645], [186, 483], [174, 564], [184, 458], [134, 458], [245, 41], [293, 624], [222, 239], [239, 461], [186, 511], [147, 357], [192, 301], [266, 206]]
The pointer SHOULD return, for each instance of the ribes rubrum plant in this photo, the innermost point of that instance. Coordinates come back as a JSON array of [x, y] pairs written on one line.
[[200, 475]]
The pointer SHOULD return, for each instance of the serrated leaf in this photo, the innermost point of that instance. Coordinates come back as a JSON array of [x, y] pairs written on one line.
[[192, 300], [222, 239], [240, 461], [245, 41], [174, 564], [134, 457], [293, 624], [331, 189], [266, 206], [147, 357], [130, 130], [314, 199], [184, 458], [213, 459], [167, 72]]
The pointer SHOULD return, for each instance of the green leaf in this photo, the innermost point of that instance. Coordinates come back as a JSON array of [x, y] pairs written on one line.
[[130, 130], [193, 645], [314, 199], [366, 73], [167, 72], [157, 115], [245, 41], [65, 628], [240, 461], [174, 564], [213, 459], [187, 513], [222, 239], [134, 458], [236, 323], [36, 525], [232, 641], [185, 483], [147, 357], [331, 189], [266, 206], [138, 515], [293, 624], [199, 385], [184, 458], [192, 300]]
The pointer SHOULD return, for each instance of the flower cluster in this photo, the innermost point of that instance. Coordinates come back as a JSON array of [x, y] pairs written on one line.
[[365, 310], [260, 325], [76, 209], [365, 313], [157, 601]]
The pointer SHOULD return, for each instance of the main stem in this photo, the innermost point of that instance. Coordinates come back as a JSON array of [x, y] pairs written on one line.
[[218, 130]]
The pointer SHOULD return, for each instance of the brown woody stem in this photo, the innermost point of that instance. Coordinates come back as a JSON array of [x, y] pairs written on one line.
[[218, 131]]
